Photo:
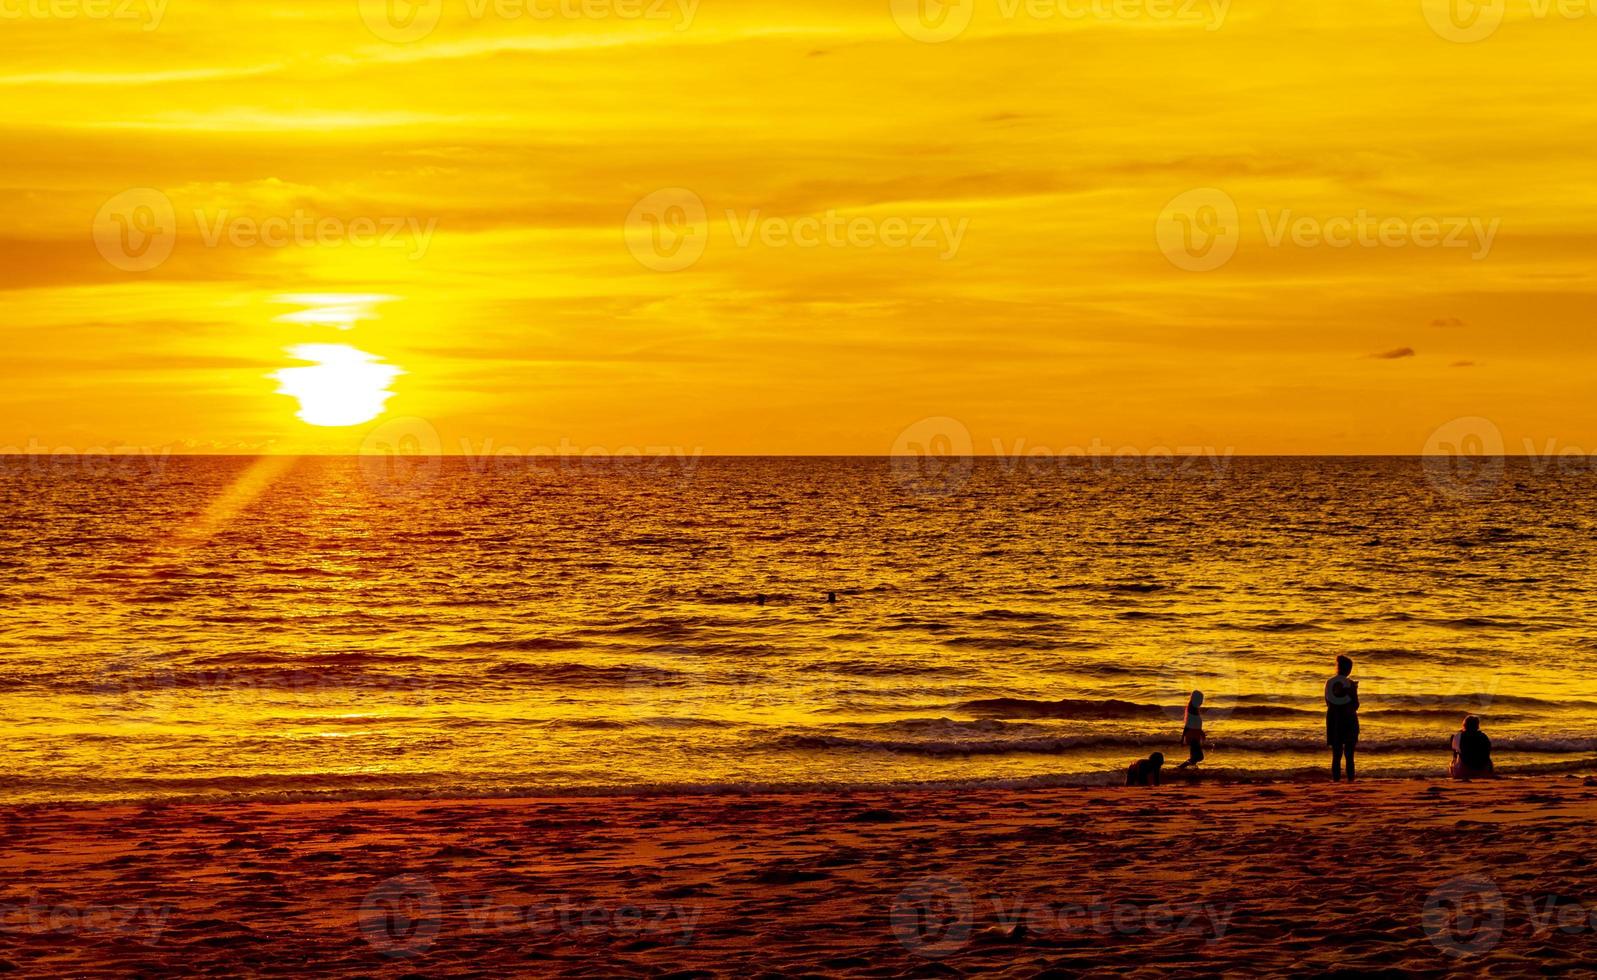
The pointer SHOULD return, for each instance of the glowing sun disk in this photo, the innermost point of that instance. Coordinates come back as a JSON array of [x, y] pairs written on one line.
[[342, 386]]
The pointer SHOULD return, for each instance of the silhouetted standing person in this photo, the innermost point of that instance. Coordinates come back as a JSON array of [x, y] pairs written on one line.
[[1192, 730], [1342, 717]]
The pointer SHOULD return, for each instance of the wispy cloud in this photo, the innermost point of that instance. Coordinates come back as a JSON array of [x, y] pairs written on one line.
[[126, 78]]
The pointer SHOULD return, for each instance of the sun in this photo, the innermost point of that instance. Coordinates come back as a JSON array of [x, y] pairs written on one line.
[[342, 386]]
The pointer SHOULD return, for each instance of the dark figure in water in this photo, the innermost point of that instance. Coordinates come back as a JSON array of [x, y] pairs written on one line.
[[1192, 730], [1472, 752], [831, 597], [759, 599], [1342, 717], [1145, 772]]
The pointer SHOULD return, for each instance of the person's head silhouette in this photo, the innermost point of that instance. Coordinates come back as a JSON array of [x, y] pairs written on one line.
[[1472, 724], [1344, 665]]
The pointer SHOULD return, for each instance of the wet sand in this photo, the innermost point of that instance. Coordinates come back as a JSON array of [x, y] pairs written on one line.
[[1429, 877]]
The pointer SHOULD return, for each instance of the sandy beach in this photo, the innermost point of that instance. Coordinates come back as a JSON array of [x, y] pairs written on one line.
[[1431, 877]]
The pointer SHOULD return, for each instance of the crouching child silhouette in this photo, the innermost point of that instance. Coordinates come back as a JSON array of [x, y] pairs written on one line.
[[1145, 772]]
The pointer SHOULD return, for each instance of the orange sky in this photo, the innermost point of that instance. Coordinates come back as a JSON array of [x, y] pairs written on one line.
[[901, 220]]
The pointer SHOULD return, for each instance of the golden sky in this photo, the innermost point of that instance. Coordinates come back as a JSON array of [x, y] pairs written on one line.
[[1009, 214]]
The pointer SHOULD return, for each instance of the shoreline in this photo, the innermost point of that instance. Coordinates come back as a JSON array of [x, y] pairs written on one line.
[[1262, 878], [1173, 778]]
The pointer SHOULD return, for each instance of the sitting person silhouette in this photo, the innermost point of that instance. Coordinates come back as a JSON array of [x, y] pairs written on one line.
[[1472, 752], [1145, 772]]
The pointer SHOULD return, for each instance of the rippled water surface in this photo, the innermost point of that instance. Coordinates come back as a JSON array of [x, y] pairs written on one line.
[[276, 627]]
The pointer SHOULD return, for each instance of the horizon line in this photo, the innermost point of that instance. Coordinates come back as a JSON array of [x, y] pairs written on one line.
[[1151, 454]]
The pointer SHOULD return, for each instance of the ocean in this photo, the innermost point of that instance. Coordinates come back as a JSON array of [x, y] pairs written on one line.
[[285, 628]]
